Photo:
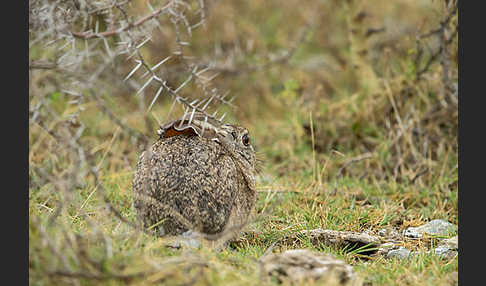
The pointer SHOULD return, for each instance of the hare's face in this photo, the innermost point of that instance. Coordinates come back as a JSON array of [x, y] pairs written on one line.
[[240, 139]]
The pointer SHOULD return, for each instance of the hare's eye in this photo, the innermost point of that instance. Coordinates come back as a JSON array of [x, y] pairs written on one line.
[[245, 139]]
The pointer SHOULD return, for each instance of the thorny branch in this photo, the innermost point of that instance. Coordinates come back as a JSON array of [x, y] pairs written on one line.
[[176, 17], [42, 65], [90, 34], [444, 42]]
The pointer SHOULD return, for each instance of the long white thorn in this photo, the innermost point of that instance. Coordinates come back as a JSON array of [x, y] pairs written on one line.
[[156, 96], [145, 85], [183, 117], [134, 70], [183, 84], [204, 125], [143, 43], [171, 108], [221, 119], [192, 115], [203, 70], [157, 65], [200, 102], [207, 103]]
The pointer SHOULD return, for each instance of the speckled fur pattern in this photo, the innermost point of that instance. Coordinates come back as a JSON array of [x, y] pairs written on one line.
[[209, 183]]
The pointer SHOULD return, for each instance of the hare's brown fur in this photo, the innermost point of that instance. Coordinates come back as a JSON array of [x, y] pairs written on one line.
[[192, 182]]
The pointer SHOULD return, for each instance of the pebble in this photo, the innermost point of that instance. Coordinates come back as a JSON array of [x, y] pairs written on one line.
[[434, 227], [400, 253]]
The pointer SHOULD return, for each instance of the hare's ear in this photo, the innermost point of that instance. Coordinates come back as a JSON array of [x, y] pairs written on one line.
[[177, 127], [200, 125]]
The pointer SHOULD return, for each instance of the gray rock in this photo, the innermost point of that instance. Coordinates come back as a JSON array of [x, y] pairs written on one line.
[[434, 227], [445, 251], [300, 265], [452, 243], [188, 239], [447, 248], [400, 253], [382, 232], [384, 248], [389, 233]]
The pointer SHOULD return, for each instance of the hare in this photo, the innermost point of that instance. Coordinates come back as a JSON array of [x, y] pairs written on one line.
[[199, 176]]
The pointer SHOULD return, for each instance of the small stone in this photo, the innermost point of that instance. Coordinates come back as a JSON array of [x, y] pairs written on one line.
[[187, 239], [384, 248], [389, 233], [434, 227], [445, 251], [452, 243], [299, 265], [447, 248], [400, 253]]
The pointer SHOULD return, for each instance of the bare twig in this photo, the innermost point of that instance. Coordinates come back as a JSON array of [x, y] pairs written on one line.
[[422, 172], [42, 64], [444, 42], [132, 132], [347, 164]]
